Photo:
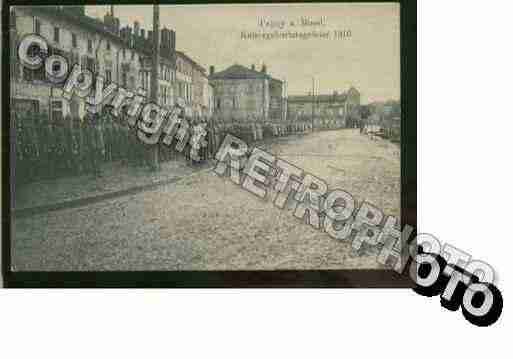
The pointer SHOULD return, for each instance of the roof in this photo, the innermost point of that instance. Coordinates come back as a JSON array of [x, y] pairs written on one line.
[[318, 98], [194, 63], [239, 72], [91, 24], [99, 26], [86, 21]]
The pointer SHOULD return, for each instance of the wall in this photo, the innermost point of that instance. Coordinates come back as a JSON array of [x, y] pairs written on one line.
[[241, 99], [104, 58]]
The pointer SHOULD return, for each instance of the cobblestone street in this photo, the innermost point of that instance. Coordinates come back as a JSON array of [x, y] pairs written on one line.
[[205, 222]]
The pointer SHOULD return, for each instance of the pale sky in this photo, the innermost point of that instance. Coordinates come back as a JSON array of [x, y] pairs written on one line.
[[211, 35]]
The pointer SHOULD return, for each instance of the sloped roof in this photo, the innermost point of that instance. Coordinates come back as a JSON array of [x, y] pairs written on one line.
[[188, 58], [239, 72], [76, 19]]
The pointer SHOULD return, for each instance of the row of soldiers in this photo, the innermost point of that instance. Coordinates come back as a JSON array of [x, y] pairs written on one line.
[[251, 132], [48, 149]]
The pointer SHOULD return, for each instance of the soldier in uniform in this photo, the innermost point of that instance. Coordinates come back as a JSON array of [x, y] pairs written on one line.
[[94, 142], [107, 135], [42, 169], [61, 150], [51, 149], [20, 165], [31, 147], [74, 146], [117, 140]]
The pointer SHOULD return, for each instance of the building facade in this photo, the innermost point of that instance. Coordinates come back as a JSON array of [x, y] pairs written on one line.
[[192, 86], [244, 94], [92, 44], [327, 111], [120, 55]]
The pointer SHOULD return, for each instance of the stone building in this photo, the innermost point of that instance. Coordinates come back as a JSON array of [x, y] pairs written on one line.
[[329, 111], [121, 55], [244, 94], [192, 85], [95, 45]]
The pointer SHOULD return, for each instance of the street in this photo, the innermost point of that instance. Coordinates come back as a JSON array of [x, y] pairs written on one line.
[[205, 222]]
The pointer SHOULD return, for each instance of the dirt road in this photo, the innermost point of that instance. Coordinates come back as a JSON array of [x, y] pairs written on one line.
[[205, 222]]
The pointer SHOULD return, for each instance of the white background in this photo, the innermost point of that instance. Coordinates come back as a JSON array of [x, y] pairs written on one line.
[[465, 136]]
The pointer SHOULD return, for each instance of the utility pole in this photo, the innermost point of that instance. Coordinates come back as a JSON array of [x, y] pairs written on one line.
[[313, 101], [153, 152]]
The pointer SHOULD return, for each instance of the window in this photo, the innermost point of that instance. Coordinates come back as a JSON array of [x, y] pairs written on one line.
[[34, 75], [234, 104], [74, 40], [56, 34], [57, 111], [37, 26], [108, 46], [124, 53], [124, 79], [89, 45], [162, 95], [90, 65], [133, 55], [218, 103], [144, 81], [26, 107], [108, 76]]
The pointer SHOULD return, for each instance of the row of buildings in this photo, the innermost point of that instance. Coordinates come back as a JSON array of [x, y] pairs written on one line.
[[123, 55]]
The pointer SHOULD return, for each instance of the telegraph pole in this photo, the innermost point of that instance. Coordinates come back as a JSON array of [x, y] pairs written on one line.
[[313, 101], [154, 90]]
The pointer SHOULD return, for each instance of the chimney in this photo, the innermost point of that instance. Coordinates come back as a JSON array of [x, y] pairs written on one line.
[[116, 25], [212, 70], [163, 36], [12, 20], [253, 67], [172, 40], [264, 69], [136, 28]]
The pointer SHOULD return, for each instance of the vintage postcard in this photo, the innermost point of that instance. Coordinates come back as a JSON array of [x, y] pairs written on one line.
[[205, 138]]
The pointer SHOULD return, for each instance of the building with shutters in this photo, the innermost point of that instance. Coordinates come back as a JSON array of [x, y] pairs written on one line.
[[245, 94], [91, 43], [121, 55], [192, 86], [329, 111]]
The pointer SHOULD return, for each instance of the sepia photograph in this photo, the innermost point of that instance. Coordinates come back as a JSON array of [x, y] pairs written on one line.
[[205, 137]]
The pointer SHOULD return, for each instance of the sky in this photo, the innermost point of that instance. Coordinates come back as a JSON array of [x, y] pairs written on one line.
[[211, 34]]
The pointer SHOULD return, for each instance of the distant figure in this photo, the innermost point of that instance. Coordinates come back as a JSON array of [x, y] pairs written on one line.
[[95, 142]]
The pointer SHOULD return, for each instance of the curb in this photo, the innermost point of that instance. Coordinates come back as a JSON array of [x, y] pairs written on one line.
[[80, 202]]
